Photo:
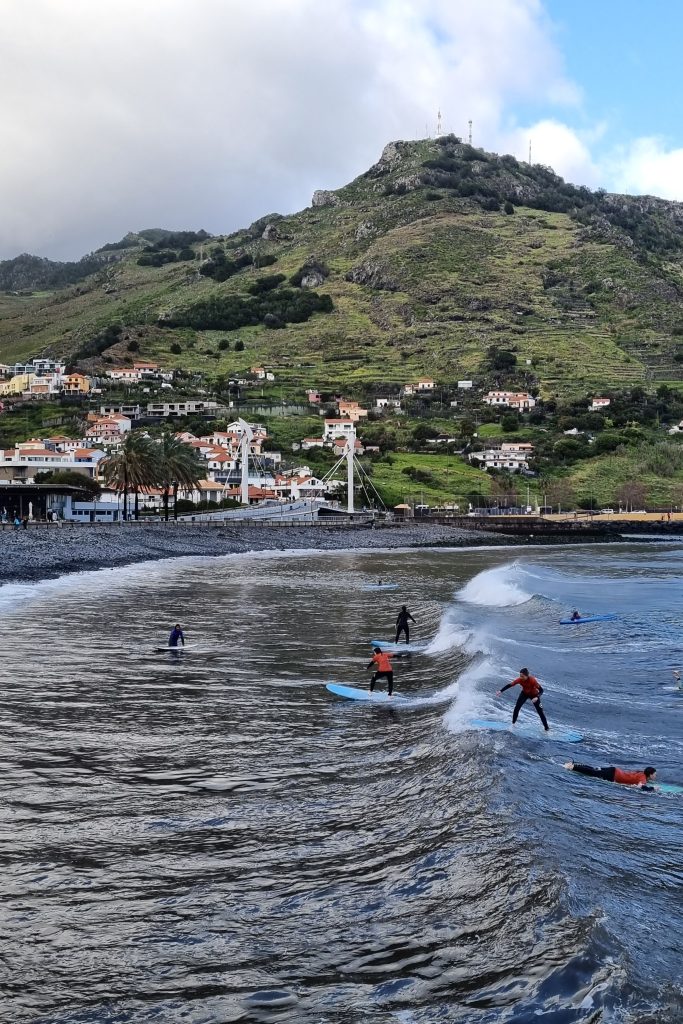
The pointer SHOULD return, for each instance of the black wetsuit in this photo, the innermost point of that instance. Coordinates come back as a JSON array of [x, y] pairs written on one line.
[[611, 774], [595, 773], [531, 690], [402, 625], [389, 676], [176, 635]]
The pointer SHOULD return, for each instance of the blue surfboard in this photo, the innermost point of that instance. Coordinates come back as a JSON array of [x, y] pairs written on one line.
[[392, 648], [668, 787], [528, 730], [353, 693], [587, 618], [381, 586]]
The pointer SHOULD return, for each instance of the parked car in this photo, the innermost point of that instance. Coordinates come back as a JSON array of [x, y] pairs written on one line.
[[607, 511]]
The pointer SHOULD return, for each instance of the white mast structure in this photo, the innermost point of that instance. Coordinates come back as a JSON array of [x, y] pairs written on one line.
[[350, 456], [245, 441]]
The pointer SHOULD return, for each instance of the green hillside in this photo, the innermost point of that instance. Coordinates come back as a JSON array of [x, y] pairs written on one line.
[[440, 261], [425, 270]]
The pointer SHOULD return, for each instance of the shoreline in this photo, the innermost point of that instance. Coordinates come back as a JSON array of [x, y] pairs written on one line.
[[36, 554]]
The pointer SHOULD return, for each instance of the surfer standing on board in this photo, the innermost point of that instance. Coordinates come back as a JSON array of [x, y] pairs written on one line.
[[402, 620], [176, 635], [612, 774], [381, 660], [531, 690]]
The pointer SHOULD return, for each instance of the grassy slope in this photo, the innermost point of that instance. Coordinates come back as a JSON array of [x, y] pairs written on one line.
[[465, 279]]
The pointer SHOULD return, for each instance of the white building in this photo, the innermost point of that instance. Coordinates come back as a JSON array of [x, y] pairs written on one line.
[[519, 400], [190, 407], [597, 404], [510, 456], [387, 403], [23, 462], [338, 428], [465, 385]]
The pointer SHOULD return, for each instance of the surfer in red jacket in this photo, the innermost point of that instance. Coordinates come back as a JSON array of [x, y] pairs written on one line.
[[612, 774], [382, 662], [531, 690]]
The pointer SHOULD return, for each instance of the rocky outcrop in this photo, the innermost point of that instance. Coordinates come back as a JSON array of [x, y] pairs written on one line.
[[312, 279], [321, 197], [373, 275], [365, 230], [270, 233]]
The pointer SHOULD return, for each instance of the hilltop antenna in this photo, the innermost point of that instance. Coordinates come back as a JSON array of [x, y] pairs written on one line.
[[469, 137], [529, 152], [438, 124]]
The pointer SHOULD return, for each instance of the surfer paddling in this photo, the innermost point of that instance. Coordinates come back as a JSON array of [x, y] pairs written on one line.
[[531, 690], [575, 616], [619, 775], [176, 635], [381, 661], [402, 620]]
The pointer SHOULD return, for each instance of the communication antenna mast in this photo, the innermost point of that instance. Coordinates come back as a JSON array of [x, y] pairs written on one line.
[[529, 152], [438, 124], [469, 135]]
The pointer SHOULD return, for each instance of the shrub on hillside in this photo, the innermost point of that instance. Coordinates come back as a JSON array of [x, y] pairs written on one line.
[[176, 348], [265, 284], [239, 346], [315, 267], [230, 312]]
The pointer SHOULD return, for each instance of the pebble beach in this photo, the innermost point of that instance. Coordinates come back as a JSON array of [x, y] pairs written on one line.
[[48, 551]]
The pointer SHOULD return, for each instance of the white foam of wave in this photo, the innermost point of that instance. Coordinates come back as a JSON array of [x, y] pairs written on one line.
[[474, 694], [449, 634], [495, 588]]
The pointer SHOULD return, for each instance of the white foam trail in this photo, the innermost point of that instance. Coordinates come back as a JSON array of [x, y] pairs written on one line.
[[471, 700], [449, 634], [495, 588]]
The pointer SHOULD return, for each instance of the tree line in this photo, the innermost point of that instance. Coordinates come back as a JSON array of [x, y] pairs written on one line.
[[140, 465]]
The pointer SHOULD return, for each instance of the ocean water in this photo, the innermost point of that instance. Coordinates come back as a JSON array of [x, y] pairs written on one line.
[[215, 838]]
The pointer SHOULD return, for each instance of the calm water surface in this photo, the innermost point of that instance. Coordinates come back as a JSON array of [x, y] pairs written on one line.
[[215, 838]]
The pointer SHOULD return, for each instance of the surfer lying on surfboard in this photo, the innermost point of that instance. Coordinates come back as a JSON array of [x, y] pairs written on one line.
[[382, 662], [531, 690], [612, 774]]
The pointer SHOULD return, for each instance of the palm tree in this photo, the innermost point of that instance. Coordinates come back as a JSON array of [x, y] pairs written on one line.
[[178, 465], [131, 468]]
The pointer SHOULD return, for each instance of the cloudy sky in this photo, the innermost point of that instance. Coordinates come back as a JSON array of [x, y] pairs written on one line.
[[125, 114]]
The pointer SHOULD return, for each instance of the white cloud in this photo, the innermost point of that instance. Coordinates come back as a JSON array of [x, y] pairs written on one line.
[[555, 145], [647, 167], [119, 114]]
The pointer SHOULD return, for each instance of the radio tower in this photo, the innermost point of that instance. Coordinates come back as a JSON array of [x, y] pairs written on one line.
[[438, 124], [469, 136], [529, 152]]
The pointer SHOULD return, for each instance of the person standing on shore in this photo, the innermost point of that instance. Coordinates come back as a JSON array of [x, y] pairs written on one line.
[[381, 661], [176, 635], [402, 620], [531, 690]]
